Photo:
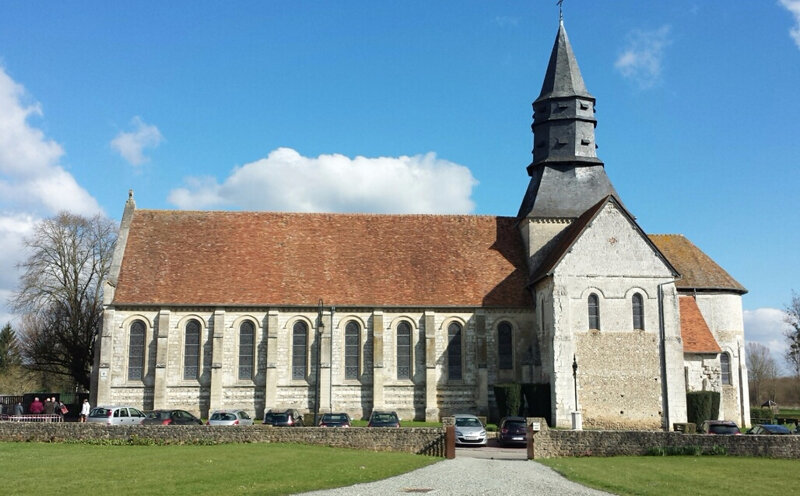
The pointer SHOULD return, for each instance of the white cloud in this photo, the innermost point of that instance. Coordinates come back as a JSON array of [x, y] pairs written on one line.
[[131, 144], [767, 326], [793, 6], [288, 181], [641, 59], [13, 229], [31, 176], [33, 183]]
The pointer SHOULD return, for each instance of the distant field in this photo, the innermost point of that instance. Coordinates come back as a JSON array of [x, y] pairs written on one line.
[[682, 475], [31, 468]]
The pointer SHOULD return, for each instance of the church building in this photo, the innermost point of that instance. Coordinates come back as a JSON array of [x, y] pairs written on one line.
[[424, 314]]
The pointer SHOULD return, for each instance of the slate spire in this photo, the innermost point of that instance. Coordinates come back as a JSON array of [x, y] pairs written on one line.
[[567, 178]]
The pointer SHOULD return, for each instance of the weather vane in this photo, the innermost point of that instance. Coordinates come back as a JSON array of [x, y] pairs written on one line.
[[560, 12]]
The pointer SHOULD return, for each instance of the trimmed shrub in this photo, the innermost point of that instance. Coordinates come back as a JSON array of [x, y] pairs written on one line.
[[508, 398], [702, 406]]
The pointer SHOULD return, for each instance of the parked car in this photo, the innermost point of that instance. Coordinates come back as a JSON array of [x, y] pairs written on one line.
[[769, 429], [470, 430], [116, 415], [229, 417], [383, 419], [171, 417], [334, 420], [284, 418], [512, 430], [720, 427]]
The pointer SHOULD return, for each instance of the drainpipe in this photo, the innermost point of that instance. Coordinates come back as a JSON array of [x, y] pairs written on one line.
[[662, 344]]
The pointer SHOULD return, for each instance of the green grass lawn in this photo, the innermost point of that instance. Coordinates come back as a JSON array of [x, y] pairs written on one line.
[[195, 470], [682, 475]]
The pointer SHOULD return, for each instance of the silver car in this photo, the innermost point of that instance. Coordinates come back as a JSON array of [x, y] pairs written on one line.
[[116, 415], [470, 430], [229, 417]]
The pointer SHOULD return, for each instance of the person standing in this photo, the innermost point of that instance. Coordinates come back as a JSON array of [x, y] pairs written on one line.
[[49, 406], [18, 409], [85, 407], [36, 406]]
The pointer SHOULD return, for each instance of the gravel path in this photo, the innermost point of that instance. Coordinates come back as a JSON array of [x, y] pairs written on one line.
[[471, 476]]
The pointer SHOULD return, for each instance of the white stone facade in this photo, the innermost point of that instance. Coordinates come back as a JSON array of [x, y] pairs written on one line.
[[271, 385]]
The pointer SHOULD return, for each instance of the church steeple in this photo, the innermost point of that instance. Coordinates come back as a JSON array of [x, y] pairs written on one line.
[[563, 115], [566, 176]]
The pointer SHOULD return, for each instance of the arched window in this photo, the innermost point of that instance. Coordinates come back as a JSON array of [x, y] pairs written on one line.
[[403, 350], [454, 352], [352, 348], [136, 351], [594, 312], [191, 350], [299, 350], [247, 336], [725, 368], [638, 311], [505, 350]]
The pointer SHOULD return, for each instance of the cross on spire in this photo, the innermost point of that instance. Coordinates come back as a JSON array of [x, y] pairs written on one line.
[[560, 11]]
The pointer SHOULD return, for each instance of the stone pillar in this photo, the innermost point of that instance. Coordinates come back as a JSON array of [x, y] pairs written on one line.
[[482, 394], [160, 383], [103, 394], [325, 400], [271, 372], [431, 406], [377, 359], [217, 342]]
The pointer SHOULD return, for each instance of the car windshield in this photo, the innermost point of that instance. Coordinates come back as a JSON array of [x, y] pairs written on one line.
[[159, 415], [515, 424], [468, 422], [99, 412], [223, 416], [333, 417], [723, 429], [280, 417], [384, 417]]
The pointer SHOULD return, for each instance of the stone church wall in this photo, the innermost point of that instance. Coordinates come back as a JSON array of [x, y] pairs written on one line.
[[619, 374], [723, 314], [218, 384], [620, 380]]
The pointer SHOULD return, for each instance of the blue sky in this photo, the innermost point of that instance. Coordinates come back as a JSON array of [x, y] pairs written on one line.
[[406, 106]]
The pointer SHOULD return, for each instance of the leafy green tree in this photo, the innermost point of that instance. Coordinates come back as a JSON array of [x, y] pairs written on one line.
[[9, 355], [60, 294]]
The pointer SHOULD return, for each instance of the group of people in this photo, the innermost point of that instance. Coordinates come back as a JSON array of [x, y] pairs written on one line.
[[51, 406]]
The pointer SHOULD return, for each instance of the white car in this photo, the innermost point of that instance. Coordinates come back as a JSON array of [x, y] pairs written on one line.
[[116, 415], [470, 430], [229, 417]]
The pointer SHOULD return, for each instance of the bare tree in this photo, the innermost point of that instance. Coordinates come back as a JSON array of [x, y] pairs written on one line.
[[793, 335], [60, 293], [762, 370]]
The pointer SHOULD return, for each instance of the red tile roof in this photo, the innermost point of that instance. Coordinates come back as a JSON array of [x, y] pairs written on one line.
[[266, 258], [698, 270], [696, 335]]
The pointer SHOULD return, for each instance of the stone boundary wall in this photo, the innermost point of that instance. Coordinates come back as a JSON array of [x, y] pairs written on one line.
[[551, 443], [420, 440]]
